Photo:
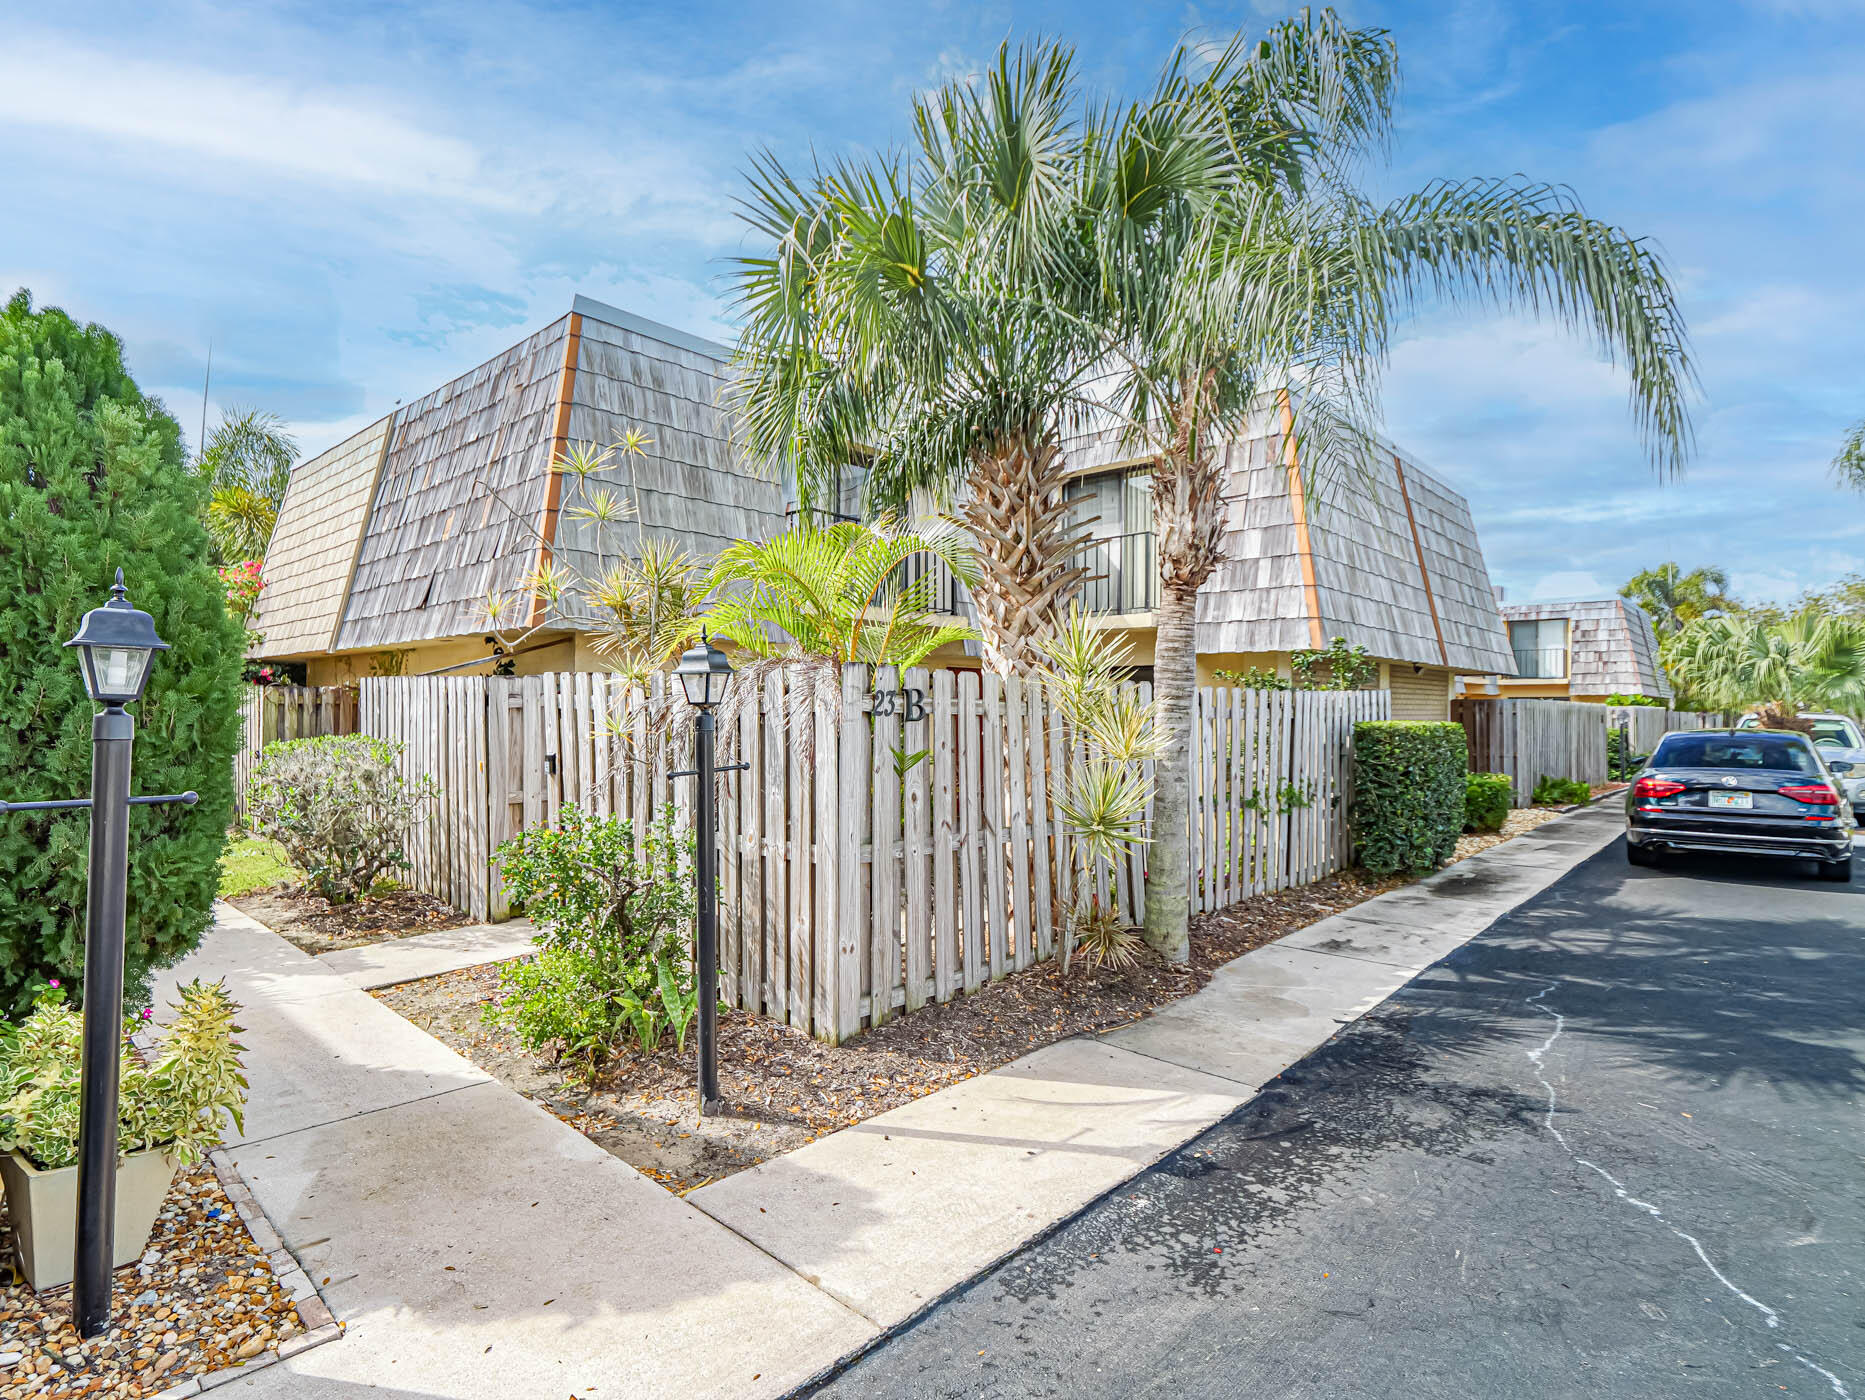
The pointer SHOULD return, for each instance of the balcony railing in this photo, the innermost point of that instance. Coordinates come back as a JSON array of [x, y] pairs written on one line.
[[1546, 664], [1123, 574]]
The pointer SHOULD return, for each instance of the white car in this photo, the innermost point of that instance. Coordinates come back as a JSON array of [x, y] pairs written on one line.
[[1838, 736]]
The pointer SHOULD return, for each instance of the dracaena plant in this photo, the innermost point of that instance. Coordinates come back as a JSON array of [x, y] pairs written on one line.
[[178, 1100]]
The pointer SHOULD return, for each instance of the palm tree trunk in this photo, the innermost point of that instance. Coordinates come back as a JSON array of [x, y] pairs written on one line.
[[1168, 858], [1188, 519], [1019, 519]]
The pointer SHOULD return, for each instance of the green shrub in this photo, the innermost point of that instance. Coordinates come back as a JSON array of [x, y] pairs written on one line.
[[1645, 701], [339, 807], [1408, 803], [615, 953], [175, 1101], [1561, 792], [1487, 799], [92, 479]]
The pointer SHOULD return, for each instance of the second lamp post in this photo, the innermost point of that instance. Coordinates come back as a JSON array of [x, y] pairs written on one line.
[[704, 673]]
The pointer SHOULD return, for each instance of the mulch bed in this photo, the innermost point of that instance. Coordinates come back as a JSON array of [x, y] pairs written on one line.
[[783, 1089], [315, 925], [204, 1298]]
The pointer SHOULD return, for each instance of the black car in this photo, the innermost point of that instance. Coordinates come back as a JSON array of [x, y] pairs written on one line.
[[1741, 792]]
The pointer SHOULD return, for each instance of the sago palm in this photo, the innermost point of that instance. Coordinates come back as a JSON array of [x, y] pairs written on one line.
[[1238, 260], [895, 323], [836, 595]]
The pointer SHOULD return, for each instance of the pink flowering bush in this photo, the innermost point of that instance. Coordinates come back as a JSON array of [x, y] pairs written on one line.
[[242, 582]]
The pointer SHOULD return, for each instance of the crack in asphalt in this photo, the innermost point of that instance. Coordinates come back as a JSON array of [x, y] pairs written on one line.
[[1537, 1057]]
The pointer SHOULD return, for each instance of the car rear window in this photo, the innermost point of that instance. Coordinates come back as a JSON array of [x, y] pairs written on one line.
[[1832, 731], [1766, 751]]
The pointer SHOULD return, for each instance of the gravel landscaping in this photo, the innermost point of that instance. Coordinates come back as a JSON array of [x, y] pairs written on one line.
[[314, 925], [204, 1298]]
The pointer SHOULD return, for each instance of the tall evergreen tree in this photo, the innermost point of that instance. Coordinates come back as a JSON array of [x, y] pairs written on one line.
[[92, 479]]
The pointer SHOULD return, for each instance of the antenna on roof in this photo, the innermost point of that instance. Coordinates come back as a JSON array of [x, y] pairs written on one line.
[[201, 446]]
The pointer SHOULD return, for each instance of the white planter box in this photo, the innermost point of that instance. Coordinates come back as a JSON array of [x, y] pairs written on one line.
[[43, 1206]]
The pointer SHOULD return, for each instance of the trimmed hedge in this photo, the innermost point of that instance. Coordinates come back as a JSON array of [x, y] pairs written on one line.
[[1487, 799], [1408, 801]]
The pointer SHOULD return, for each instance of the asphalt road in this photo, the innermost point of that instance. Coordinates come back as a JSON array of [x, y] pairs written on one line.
[[1612, 1147]]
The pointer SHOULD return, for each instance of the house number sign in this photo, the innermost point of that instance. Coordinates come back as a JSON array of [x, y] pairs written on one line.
[[909, 704]]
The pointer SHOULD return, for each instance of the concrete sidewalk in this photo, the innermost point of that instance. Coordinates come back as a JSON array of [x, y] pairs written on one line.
[[397, 960], [475, 1246], [895, 1212]]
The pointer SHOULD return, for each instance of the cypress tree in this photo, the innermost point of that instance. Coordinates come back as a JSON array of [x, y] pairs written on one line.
[[92, 478]]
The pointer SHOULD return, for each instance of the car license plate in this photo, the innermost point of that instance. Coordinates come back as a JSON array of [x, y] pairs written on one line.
[[1731, 799]]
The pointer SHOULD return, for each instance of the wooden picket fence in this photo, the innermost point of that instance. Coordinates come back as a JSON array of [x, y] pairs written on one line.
[[1644, 725], [277, 712], [1534, 739], [896, 837]]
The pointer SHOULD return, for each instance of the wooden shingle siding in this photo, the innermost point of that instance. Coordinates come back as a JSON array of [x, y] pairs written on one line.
[[320, 524], [438, 543], [1379, 573], [1612, 647], [690, 487]]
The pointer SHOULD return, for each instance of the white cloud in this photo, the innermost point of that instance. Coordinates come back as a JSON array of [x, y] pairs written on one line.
[[326, 134]]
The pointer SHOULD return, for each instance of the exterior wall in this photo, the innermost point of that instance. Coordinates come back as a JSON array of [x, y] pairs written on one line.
[[1420, 696], [561, 654], [1611, 648], [320, 527]]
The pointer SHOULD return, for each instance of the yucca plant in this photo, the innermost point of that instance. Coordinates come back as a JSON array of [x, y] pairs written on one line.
[[1111, 734]]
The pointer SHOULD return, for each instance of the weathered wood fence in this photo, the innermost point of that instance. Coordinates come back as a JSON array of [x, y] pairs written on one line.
[[896, 838], [276, 712], [1644, 725], [1534, 739]]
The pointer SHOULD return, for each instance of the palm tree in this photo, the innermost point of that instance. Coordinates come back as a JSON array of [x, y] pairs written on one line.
[[247, 461], [1673, 598], [1236, 260], [895, 323], [1809, 660], [1849, 465]]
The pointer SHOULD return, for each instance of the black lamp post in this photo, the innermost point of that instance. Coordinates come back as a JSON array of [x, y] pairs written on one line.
[[115, 645], [704, 673]]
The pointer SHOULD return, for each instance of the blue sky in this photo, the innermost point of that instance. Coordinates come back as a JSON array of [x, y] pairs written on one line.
[[354, 202]]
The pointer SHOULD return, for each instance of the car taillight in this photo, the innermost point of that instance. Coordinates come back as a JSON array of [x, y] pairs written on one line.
[[1819, 794], [1656, 787]]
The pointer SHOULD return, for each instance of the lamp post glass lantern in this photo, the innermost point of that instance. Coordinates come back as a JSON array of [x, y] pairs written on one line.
[[704, 673]]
